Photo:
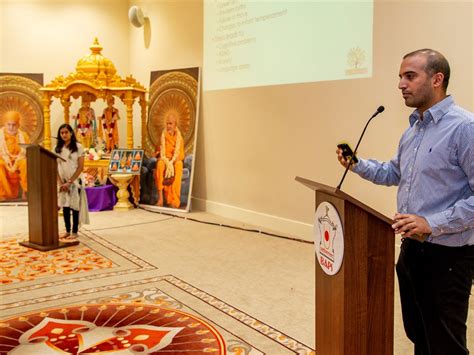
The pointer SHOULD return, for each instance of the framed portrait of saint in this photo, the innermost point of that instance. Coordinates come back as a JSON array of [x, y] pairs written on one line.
[[21, 122], [170, 142]]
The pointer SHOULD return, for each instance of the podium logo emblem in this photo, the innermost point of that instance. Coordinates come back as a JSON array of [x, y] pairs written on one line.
[[328, 238]]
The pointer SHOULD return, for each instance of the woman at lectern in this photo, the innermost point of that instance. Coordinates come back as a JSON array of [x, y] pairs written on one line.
[[71, 193]]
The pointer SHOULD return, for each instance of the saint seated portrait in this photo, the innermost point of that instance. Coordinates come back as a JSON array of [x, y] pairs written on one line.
[[12, 157]]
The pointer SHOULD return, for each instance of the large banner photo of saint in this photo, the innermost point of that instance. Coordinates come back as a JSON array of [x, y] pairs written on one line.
[[126, 161], [170, 142], [21, 123]]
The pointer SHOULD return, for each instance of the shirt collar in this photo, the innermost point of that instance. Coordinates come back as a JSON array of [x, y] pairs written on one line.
[[436, 111]]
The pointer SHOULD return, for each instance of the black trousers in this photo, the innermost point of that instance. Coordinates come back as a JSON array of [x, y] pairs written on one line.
[[67, 219], [435, 285]]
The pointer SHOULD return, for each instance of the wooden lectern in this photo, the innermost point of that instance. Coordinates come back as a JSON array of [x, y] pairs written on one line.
[[354, 308], [43, 199]]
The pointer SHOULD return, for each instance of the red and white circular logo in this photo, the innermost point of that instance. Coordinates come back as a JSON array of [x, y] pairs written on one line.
[[328, 238]]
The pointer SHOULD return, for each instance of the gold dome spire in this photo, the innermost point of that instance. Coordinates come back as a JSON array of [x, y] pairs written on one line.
[[95, 65], [95, 71]]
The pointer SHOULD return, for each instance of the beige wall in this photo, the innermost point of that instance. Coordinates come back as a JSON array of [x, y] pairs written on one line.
[[49, 37], [252, 142], [170, 39]]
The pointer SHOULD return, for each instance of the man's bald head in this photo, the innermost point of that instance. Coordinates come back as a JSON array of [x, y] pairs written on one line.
[[12, 121], [12, 116], [171, 122]]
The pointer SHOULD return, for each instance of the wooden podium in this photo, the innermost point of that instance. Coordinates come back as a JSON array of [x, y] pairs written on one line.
[[42, 199], [354, 307]]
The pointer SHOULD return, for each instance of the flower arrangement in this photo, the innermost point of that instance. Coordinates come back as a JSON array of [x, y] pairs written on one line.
[[93, 154], [90, 180]]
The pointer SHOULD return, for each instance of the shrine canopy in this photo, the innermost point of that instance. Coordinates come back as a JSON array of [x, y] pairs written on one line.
[[95, 78]]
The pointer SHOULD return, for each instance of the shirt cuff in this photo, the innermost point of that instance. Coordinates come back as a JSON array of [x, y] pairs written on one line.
[[438, 223], [360, 166]]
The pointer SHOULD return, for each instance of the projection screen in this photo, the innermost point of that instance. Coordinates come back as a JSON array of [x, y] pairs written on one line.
[[272, 42]]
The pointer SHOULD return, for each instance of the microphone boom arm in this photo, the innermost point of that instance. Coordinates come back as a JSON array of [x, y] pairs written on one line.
[[379, 110]]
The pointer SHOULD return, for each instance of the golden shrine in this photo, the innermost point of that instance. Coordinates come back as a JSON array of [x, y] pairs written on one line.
[[96, 78]]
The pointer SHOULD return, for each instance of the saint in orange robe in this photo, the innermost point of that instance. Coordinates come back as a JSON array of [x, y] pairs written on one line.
[[12, 164], [172, 192]]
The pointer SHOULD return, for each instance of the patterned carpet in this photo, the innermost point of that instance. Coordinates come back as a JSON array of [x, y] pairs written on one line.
[[99, 298], [18, 263], [102, 328]]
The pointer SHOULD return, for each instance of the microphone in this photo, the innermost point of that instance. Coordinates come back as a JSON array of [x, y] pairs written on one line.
[[380, 109]]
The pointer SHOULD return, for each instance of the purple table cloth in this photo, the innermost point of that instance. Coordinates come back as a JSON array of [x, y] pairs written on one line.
[[101, 198]]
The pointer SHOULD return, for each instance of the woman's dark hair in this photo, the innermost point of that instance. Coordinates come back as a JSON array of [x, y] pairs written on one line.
[[72, 144]]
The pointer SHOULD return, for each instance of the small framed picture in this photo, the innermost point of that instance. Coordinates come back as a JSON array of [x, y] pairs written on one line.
[[126, 161]]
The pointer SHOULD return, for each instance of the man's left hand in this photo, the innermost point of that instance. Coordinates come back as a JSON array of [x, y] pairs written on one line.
[[411, 226]]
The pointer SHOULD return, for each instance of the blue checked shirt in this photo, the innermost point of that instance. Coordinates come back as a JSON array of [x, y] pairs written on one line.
[[434, 171]]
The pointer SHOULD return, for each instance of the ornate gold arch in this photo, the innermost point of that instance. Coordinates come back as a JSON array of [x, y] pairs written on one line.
[[95, 77]]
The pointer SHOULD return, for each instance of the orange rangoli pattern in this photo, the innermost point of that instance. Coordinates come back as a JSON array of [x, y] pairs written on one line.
[[109, 329], [18, 263]]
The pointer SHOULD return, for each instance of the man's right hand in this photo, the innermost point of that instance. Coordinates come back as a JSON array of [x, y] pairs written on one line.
[[342, 160]]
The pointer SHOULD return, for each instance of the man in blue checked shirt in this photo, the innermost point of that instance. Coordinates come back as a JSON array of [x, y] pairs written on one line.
[[434, 171]]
